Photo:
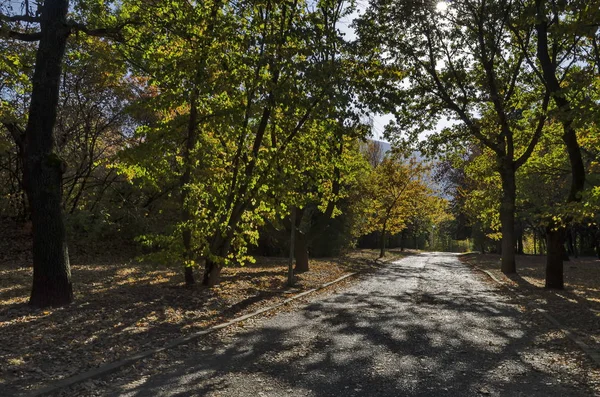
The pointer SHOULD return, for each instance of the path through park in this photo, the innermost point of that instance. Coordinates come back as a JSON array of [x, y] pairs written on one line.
[[424, 326]]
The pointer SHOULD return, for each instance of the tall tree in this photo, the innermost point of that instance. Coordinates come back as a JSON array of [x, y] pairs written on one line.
[[43, 168], [459, 61], [269, 91], [561, 32]]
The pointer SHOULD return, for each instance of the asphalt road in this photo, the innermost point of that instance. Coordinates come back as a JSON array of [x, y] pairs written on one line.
[[424, 326]]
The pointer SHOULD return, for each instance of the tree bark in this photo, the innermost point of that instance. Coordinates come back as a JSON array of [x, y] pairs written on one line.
[[566, 116], [292, 248], [519, 242], [382, 242], [212, 273], [402, 235], [186, 179], [301, 252], [189, 275], [554, 258], [43, 168], [300, 243], [507, 216]]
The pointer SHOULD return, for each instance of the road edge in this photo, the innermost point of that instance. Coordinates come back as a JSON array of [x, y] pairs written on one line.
[[116, 365], [592, 353]]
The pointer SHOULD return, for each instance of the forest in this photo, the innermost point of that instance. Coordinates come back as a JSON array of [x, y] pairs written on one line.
[[205, 132], [207, 137]]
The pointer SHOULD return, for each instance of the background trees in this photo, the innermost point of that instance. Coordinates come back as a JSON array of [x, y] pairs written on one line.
[[399, 194], [503, 72], [459, 62], [200, 127]]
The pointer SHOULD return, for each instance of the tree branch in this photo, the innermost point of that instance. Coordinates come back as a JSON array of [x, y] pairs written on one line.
[[29, 37], [108, 32], [19, 18], [536, 135]]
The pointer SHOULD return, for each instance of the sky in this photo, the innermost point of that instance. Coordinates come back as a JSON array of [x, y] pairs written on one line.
[[379, 120]]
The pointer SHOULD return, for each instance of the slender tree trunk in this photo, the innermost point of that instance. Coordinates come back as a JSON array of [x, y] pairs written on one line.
[[534, 244], [382, 242], [292, 248], [43, 168], [554, 258], [543, 249], [301, 243], [507, 216], [186, 179], [402, 235], [519, 233], [576, 246], [570, 242]]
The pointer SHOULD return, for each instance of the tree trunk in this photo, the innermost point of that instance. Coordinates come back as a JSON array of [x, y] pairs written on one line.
[[186, 179], [292, 248], [507, 216], [382, 242], [301, 252], [566, 116], [576, 247], [189, 276], [212, 273], [554, 258], [519, 242], [402, 241], [43, 168]]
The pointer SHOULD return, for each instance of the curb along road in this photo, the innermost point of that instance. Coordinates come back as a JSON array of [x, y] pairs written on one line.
[[592, 353], [114, 366]]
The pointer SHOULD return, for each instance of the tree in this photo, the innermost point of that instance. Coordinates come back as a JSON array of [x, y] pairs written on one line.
[[42, 166], [560, 32], [460, 63], [266, 99], [398, 192]]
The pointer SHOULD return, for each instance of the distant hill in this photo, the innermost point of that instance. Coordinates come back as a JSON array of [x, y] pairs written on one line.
[[385, 146]]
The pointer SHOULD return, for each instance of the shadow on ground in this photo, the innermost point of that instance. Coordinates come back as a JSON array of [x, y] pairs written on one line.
[[577, 306], [429, 330]]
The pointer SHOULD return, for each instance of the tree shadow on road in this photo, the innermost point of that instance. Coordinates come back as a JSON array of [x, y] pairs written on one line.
[[385, 341]]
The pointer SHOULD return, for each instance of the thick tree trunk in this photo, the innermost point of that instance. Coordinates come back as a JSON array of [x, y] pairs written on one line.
[[189, 275], [43, 168], [300, 242], [220, 248], [554, 258], [507, 217], [566, 116], [301, 252], [212, 273]]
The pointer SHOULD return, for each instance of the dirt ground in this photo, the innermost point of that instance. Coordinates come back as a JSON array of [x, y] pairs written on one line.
[[123, 306], [577, 306]]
